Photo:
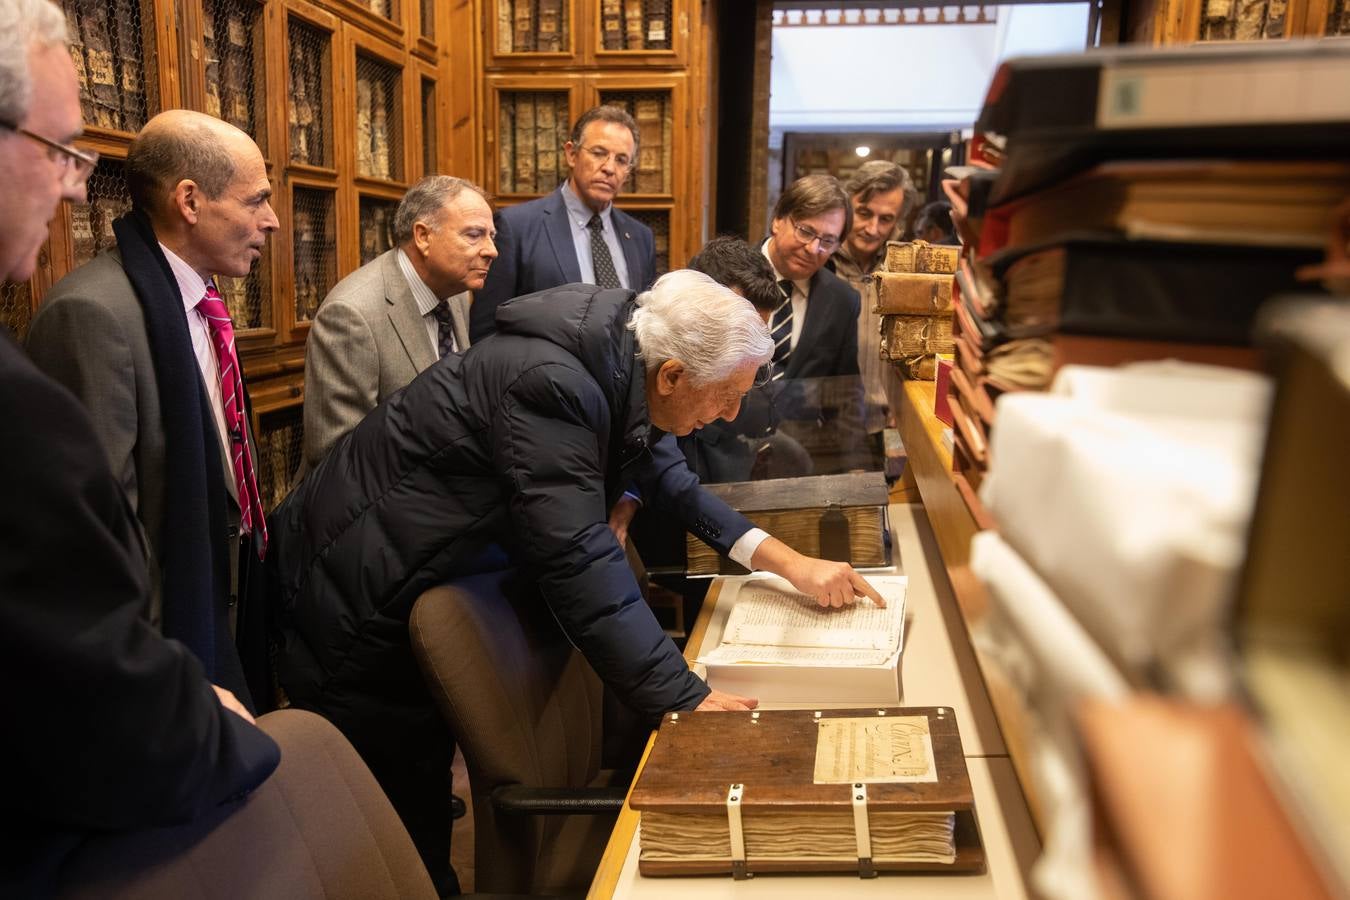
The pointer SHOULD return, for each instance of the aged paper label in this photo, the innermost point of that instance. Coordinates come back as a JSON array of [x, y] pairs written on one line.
[[874, 750]]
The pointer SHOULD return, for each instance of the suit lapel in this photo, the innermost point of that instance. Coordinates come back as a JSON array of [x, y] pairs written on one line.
[[815, 318], [403, 315], [622, 227], [558, 227]]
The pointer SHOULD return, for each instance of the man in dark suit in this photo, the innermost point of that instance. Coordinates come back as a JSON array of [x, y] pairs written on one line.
[[574, 234], [141, 335], [110, 726], [815, 328], [817, 387]]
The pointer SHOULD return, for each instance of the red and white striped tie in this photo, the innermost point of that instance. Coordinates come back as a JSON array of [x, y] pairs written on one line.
[[232, 398]]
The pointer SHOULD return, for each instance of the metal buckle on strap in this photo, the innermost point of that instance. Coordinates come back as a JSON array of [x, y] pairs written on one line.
[[739, 870], [861, 833]]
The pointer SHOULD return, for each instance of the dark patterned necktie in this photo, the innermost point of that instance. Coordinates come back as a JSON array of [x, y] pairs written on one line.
[[605, 274], [232, 398], [780, 326], [445, 330]]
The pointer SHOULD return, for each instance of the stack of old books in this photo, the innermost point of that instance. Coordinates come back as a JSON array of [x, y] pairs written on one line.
[[806, 791], [913, 294], [1138, 221]]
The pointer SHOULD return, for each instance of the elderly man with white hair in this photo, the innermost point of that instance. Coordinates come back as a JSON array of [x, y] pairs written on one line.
[[514, 453]]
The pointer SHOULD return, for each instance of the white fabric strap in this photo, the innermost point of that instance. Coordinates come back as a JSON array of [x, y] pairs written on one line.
[[738, 867], [861, 833]]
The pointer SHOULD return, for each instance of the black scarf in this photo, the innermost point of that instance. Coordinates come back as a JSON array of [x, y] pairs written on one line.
[[194, 555]]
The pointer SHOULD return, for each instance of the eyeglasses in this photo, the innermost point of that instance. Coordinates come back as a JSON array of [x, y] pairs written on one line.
[[76, 165], [622, 161], [806, 235]]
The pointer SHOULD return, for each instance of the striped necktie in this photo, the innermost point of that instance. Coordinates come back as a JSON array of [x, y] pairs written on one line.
[[232, 398], [780, 327]]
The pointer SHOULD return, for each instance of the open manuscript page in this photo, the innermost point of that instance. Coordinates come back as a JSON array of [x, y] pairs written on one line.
[[772, 623]]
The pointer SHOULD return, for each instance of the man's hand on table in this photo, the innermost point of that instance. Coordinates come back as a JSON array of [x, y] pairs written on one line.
[[721, 700], [831, 583]]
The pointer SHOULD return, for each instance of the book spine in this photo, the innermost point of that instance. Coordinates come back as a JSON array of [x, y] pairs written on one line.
[[611, 24], [505, 26], [379, 129], [127, 17], [632, 20], [650, 175], [525, 143], [506, 142], [365, 160], [658, 24], [99, 66], [524, 26], [81, 232], [546, 142], [550, 26]]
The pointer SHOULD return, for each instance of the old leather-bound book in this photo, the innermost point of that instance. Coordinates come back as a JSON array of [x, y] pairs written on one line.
[[550, 38], [912, 293], [794, 510], [611, 24], [862, 790], [922, 257]]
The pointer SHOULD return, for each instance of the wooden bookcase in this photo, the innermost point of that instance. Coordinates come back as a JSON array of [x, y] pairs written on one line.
[[1188, 21], [288, 72], [541, 75]]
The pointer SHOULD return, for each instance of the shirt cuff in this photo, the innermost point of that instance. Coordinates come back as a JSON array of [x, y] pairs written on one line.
[[743, 551], [635, 497]]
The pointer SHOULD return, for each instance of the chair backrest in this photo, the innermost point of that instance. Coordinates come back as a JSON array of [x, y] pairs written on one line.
[[524, 706], [319, 828]]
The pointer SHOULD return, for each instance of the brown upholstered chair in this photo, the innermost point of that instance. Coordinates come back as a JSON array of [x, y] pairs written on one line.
[[319, 828], [526, 710]]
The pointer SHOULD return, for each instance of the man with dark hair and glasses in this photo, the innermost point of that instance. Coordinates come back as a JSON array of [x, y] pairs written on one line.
[[818, 393], [815, 328], [573, 235]]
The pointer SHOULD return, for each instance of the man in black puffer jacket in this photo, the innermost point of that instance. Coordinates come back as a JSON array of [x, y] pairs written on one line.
[[514, 453]]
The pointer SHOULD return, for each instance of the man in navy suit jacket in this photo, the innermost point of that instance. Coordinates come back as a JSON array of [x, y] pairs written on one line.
[[819, 316], [574, 234], [817, 385]]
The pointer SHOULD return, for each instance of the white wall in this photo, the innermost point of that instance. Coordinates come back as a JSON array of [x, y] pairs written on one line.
[[906, 77]]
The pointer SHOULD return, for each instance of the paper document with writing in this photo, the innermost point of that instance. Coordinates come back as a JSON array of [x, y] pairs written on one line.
[[780, 646], [772, 623], [897, 750]]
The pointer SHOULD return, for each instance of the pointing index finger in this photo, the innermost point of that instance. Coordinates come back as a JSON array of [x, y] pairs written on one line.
[[862, 589]]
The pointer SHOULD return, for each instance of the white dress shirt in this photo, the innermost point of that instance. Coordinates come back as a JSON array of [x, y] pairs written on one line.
[[192, 289], [426, 304]]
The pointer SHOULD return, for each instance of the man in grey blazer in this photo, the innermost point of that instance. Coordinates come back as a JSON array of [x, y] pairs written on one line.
[[141, 336], [399, 313], [574, 234]]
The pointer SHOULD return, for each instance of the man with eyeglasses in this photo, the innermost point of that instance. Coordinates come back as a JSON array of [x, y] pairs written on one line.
[[142, 336], [818, 390], [573, 235], [112, 727], [815, 327], [399, 313]]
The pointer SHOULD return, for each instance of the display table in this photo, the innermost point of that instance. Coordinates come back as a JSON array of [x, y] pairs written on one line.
[[938, 668]]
